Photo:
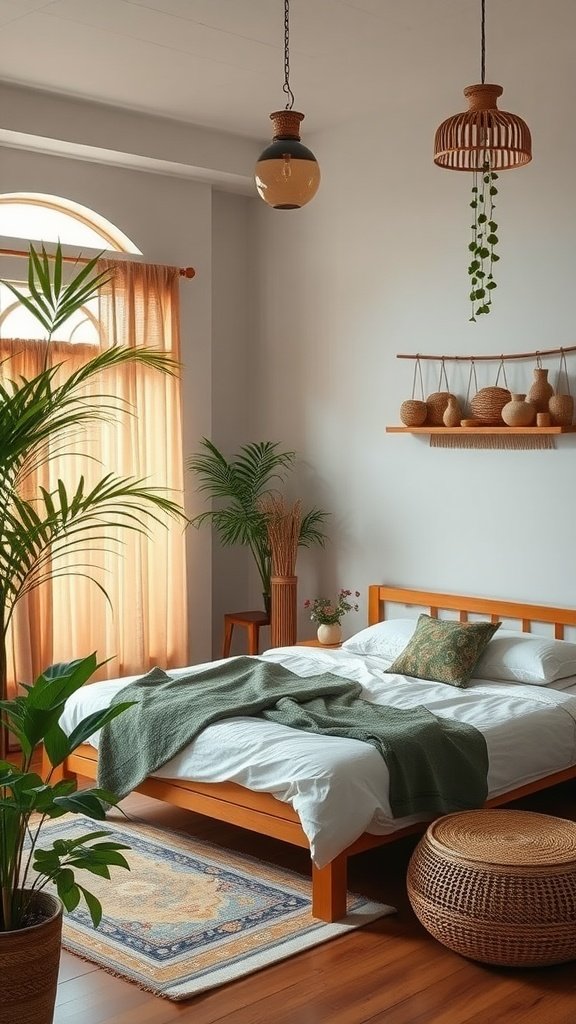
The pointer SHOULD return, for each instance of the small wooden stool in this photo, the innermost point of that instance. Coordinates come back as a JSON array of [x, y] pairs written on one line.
[[250, 621]]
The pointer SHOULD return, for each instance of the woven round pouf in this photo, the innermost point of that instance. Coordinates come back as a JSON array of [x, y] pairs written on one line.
[[498, 886]]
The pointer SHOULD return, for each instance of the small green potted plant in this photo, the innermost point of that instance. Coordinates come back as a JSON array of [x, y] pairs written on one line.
[[238, 486], [36, 881]]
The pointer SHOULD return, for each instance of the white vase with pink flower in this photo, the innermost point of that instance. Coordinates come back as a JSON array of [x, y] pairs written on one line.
[[328, 613]]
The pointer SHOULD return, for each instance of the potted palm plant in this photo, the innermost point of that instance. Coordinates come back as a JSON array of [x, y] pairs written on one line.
[[44, 412], [36, 533], [239, 486]]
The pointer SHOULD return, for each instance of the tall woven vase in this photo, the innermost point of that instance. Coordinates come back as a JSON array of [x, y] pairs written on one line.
[[284, 611], [283, 528], [541, 390]]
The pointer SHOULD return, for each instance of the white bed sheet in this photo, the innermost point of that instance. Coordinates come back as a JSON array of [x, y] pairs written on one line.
[[339, 787]]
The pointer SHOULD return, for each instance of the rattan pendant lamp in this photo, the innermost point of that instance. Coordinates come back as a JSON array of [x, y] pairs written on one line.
[[483, 140], [287, 173], [483, 134]]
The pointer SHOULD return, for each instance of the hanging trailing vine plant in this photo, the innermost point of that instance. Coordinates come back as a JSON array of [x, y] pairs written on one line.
[[484, 239]]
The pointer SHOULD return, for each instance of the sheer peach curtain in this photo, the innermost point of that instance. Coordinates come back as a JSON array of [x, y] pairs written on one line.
[[145, 621]]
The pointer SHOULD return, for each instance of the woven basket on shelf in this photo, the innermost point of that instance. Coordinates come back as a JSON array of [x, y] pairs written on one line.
[[437, 402], [413, 411], [498, 886], [561, 405], [487, 405]]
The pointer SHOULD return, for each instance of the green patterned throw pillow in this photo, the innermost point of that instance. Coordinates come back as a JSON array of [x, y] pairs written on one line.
[[444, 651]]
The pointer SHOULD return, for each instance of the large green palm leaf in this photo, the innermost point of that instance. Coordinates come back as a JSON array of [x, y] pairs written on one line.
[[54, 532], [38, 536]]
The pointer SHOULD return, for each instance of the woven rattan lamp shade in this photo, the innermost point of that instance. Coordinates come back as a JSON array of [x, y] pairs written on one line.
[[483, 134]]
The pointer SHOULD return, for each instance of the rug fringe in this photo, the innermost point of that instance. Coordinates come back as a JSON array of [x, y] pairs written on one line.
[[71, 947], [509, 441]]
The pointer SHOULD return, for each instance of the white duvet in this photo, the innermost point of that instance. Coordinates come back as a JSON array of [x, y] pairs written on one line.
[[339, 787]]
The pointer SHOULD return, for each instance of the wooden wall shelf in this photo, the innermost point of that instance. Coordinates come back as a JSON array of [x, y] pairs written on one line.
[[481, 430]]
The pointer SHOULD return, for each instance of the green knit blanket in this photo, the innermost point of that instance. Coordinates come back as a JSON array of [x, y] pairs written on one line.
[[435, 765]]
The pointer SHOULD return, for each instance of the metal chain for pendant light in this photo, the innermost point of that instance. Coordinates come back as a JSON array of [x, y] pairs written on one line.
[[286, 87], [483, 52]]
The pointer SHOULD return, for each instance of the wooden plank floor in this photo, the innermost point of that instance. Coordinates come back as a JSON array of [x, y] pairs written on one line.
[[391, 971]]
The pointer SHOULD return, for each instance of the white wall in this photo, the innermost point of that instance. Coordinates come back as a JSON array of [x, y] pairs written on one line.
[[376, 265], [233, 393]]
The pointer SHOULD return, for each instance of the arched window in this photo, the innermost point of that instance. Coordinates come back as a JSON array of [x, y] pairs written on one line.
[[146, 621], [39, 217]]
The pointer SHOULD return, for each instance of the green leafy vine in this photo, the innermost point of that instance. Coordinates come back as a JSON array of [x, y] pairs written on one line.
[[484, 239]]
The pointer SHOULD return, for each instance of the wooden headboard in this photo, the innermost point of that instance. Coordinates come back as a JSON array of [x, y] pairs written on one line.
[[493, 608]]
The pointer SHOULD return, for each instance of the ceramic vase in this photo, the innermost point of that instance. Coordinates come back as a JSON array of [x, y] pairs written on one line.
[[518, 412], [541, 391], [452, 413], [329, 633]]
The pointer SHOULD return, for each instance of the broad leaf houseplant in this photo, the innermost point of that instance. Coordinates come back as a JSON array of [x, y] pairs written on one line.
[[36, 415], [30, 916]]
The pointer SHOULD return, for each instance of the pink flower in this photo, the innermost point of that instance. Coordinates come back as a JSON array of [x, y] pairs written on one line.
[[327, 612]]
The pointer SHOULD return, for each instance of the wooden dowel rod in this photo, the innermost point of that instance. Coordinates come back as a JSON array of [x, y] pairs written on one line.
[[494, 359], [188, 272]]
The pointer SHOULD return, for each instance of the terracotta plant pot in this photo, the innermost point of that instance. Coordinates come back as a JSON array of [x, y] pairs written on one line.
[[30, 958]]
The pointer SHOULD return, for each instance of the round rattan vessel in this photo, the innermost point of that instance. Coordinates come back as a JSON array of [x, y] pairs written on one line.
[[487, 405], [498, 886], [436, 405]]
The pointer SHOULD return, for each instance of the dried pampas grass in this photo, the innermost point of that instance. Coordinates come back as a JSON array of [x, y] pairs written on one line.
[[283, 526]]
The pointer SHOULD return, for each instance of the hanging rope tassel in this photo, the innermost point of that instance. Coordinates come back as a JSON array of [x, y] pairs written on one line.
[[516, 441]]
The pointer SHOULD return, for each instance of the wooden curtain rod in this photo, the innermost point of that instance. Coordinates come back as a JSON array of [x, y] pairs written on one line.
[[496, 359], [184, 271]]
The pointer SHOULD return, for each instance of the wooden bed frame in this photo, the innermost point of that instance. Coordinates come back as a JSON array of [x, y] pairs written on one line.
[[268, 816]]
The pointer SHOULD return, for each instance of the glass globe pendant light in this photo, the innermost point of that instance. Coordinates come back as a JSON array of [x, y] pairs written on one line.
[[287, 174]]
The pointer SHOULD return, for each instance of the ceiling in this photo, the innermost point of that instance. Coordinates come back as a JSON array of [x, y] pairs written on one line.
[[219, 63]]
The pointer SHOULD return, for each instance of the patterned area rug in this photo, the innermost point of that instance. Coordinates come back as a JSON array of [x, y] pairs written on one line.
[[190, 916]]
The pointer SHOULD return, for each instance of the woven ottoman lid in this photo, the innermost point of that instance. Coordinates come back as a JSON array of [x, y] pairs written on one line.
[[505, 837]]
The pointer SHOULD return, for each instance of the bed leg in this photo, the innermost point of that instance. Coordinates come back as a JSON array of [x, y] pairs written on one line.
[[329, 885], [58, 773]]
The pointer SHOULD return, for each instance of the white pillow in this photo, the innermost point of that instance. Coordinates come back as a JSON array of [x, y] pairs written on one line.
[[383, 640], [525, 658]]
